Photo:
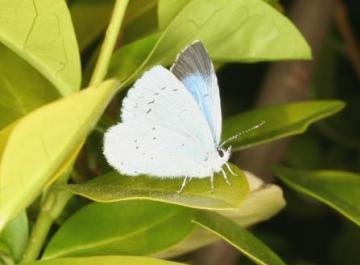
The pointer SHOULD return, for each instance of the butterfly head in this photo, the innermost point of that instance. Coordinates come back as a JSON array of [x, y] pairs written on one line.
[[223, 155]]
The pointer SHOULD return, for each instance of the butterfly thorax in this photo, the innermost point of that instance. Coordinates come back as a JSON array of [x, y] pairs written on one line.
[[215, 162]]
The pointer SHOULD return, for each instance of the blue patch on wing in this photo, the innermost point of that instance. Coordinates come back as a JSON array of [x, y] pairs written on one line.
[[198, 87]]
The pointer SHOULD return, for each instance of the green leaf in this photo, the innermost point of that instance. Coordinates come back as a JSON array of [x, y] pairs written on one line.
[[338, 189], [90, 18], [121, 228], [22, 88], [221, 25], [114, 187], [140, 19], [105, 260], [39, 144], [41, 33], [237, 236], [276, 4], [168, 9], [262, 203], [15, 235], [280, 121]]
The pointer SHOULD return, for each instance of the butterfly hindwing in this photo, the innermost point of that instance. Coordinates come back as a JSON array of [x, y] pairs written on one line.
[[194, 69], [135, 148]]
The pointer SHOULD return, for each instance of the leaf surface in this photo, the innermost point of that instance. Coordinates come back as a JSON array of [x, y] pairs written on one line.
[[22, 88], [280, 121], [41, 33], [338, 189], [121, 228], [15, 236], [39, 144], [237, 236], [105, 260], [232, 31]]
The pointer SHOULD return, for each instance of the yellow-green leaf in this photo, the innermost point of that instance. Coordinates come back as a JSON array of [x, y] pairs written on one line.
[[22, 88], [232, 30], [338, 189], [104, 260], [114, 187], [41, 33], [41, 142]]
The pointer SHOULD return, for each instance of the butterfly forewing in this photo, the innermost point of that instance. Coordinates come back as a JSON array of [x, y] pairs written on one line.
[[194, 69]]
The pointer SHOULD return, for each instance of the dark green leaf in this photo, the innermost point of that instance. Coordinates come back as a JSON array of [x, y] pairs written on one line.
[[104, 260], [338, 189], [140, 19], [121, 228], [237, 236], [15, 236], [280, 121], [90, 18], [114, 187]]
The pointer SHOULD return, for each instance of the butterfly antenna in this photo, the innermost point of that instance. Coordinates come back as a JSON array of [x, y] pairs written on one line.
[[236, 136]]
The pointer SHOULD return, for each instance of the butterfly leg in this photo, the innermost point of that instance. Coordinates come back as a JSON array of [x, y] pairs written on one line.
[[212, 183], [229, 168], [225, 177], [182, 185]]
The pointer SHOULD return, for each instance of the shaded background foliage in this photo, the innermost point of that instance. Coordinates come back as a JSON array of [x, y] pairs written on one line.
[[307, 232]]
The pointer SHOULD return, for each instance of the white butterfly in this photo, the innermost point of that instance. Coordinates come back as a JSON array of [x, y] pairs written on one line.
[[171, 122]]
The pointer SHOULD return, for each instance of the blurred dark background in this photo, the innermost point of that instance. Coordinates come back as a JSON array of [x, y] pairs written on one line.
[[307, 232]]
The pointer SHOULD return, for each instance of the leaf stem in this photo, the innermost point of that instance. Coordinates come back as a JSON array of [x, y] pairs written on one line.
[[51, 208], [108, 45]]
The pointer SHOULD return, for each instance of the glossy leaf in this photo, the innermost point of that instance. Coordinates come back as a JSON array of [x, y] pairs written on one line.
[[237, 236], [121, 228], [262, 203], [280, 121], [22, 88], [104, 260], [263, 32], [15, 236], [114, 187], [168, 9], [338, 189], [41, 33], [47, 137]]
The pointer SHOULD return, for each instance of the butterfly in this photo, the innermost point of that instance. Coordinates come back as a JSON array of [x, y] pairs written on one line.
[[171, 123]]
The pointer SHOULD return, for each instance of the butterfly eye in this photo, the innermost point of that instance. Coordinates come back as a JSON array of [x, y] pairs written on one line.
[[221, 152]]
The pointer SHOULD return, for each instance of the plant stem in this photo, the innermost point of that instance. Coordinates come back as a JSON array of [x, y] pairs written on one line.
[[51, 208], [108, 45]]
